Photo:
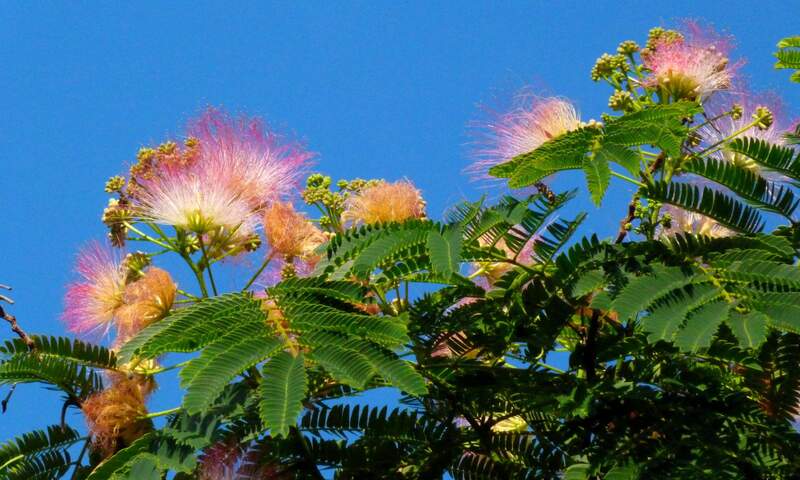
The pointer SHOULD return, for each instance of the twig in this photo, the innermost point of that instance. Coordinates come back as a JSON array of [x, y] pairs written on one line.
[[13, 321], [623, 224]]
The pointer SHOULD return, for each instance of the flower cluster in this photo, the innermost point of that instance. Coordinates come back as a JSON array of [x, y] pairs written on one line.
[[214, 188], [110, 294], [692, 64]]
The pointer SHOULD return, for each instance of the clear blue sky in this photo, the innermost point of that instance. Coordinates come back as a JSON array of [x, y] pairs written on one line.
[[379, 89]]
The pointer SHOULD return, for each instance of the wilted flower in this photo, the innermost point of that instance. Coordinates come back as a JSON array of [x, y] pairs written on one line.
[[90, 303], [683, 221], [227, 460], [385, 202], [290, 233], [532, 122], [114, 416], [691, 65], [146, 300], [219, 461]]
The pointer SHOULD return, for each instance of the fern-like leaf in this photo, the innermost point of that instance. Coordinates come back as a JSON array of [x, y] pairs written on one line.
[[644, 290], [95, 356], [750, 186], [779, 158], [283, 388], [206, 376], [38, 451], [192, 328], [711, 203]]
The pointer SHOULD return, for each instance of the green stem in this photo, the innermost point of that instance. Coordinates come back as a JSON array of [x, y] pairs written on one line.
[[160, 233], [709, 120], [266, 262], [147, 237], [627, 179], [550, 367], [207, 264], [188, 295], [161, 413], [713, 148], [164, 369], [197, 273]]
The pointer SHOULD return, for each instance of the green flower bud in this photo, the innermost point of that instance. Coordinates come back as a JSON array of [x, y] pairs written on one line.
[[621, 100], [115, 184], [694, 139], [736, 111], [603, 67], [764, 117], [135, 263], [628, 47]]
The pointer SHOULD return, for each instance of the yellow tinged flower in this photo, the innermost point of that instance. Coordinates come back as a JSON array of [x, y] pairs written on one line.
[[385, 202]]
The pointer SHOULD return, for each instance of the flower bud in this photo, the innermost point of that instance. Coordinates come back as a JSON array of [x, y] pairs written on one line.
[[115, 184], [736, 111], [628, 47], [764, 117], [621, 100]]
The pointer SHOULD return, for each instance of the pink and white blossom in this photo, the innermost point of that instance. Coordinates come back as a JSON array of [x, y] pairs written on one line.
[[531, 122], [90, 302], [691, 66]]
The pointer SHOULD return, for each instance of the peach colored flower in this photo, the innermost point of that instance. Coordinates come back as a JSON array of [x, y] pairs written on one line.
[[385, 202], [290, 233], [113, 416], [146, 300]]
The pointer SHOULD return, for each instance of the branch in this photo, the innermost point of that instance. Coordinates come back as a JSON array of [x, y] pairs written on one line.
[[13, 321]]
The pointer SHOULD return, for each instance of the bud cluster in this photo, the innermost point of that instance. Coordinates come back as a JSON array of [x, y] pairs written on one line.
[[763, 117], [660, 36], [318, 192]]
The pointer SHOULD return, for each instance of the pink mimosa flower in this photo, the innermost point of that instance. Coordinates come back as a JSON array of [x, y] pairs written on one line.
[[90, 303], [532, 122], [232, 171], [255, 163], [684, 221], [691, 66], [195, 202]]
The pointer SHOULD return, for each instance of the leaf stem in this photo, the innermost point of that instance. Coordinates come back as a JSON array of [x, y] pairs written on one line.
[[266, 262], [162, 413], [197, 273], [627, 179], [716, 146], [207, 264], [163, 369], [147, 237]]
